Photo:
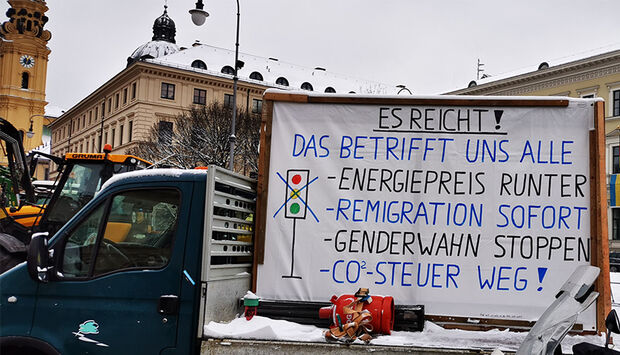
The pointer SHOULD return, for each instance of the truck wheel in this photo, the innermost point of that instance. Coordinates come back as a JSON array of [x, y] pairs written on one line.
[[9, 260]]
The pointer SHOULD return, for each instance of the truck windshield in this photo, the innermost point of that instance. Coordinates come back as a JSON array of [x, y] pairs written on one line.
[[83, 181]]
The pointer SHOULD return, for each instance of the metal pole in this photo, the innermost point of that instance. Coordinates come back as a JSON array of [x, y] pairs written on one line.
[[232, 138]]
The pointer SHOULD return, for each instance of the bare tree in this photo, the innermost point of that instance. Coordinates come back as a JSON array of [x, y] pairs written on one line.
[[199, 136], [248, 139]]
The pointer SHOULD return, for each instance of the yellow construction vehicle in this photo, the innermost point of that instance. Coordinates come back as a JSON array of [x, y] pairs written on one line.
[[80, 176]]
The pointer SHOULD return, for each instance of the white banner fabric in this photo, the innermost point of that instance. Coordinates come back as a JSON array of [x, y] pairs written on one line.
[[471, 211]]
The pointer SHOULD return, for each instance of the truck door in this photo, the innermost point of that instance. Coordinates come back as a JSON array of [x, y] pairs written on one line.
[[118, 275]]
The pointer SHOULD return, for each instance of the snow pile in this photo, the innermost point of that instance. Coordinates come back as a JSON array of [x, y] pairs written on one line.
[[265, 329], [250, 296], [433, 336], [438, 337]]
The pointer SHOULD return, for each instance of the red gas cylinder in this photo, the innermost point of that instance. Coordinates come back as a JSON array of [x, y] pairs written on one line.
[[381, 309]]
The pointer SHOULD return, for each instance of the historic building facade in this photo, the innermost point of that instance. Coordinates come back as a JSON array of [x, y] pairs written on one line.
[[595, 76], [162, 80], [23, 68]]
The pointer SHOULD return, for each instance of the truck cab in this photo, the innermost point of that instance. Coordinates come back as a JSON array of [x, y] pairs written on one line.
[[79, 178], [132, 271]]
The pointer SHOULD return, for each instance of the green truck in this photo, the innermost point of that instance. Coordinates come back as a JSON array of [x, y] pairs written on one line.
[[139, 270]]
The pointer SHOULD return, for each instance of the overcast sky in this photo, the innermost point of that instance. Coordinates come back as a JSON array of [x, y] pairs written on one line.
[[432, 46]]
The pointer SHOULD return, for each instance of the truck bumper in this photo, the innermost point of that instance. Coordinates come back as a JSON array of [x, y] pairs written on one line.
[[266, 347]]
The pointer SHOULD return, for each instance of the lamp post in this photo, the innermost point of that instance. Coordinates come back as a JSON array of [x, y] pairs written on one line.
[[198, 17]]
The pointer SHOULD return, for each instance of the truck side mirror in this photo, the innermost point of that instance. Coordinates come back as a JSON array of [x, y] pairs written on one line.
[[37, 260]]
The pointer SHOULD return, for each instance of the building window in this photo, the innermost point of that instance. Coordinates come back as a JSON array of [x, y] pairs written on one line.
[[256, 76], [588, 96], [133, 91], [228, 100], [165, 132], [200, 96], [105, 139], [102, 109], [306, 86], [615, 160], [84, 121], [124, 96], [113, 137], [167, 91], [616, 102], [87, 151], [25, 80], [282, 81], [615, 223], [330, 89], [109, 105], [130, 131], [96, 113], [120, 135], [257, 106], [228, 70], [116, 100], [199, 64], [90, 117]]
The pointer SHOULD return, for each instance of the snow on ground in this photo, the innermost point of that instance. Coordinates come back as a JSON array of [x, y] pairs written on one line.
[[433, 336], [265, 329]]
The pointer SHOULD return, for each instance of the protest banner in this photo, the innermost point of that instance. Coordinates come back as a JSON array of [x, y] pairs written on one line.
[[475, 207]]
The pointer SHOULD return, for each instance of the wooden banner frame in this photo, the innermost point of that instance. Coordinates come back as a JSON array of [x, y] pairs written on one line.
[[598, 190]]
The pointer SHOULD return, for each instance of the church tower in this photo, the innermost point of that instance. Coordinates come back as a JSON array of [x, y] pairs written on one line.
[[23, 67]]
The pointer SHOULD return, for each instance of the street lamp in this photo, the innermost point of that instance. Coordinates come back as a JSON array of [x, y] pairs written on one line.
[[198, 17], [30, 132]]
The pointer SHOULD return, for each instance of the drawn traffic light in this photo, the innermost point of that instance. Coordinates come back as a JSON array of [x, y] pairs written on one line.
[[296, 193]]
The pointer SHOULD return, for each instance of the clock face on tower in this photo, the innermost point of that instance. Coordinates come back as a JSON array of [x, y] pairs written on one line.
[[26, 61]]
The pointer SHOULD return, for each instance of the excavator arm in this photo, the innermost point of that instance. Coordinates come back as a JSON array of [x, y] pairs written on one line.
[[18, 173]]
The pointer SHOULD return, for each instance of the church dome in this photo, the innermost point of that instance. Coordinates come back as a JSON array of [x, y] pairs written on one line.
[[162, 43]]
